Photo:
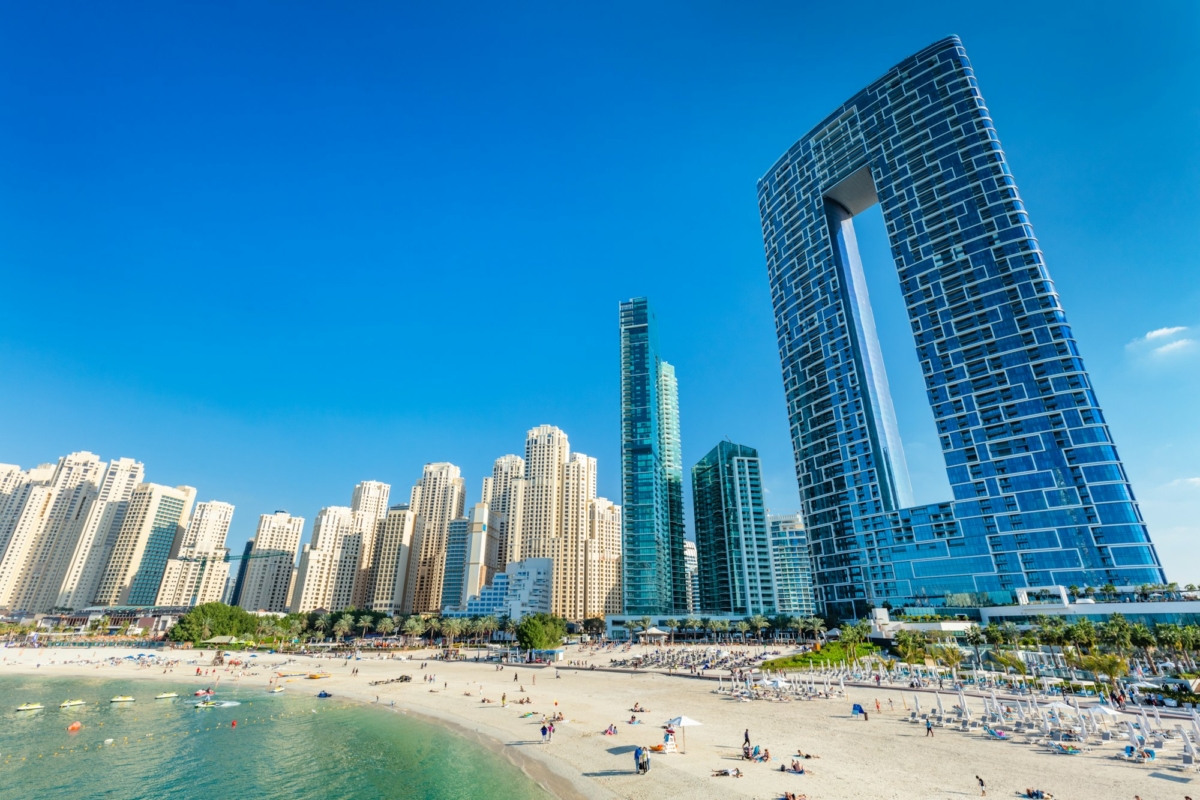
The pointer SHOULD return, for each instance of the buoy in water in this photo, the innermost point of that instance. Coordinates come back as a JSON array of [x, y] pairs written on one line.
[[75, 727], [234, 724]]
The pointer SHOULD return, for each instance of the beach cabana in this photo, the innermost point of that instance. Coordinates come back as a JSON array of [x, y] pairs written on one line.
[[652, 633]]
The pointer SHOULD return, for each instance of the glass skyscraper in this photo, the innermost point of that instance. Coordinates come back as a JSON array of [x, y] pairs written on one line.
[[1040, 496], [654, 573], [733, 551], [792, 562]]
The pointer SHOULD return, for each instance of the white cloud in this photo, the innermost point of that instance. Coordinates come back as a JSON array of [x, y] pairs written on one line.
[[1174, 347], [1161, 332], [1162, 344], [1189, 483]]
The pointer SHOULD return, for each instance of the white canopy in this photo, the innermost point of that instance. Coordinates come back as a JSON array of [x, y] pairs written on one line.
[[652, 631], [1105, 710], [682, 722]]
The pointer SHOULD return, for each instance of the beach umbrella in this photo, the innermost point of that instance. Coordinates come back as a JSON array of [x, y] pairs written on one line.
[[1105, 710], [1187, 743], [917, 704], [683, 723], [938, 698], [842, 683], [1157, 719], [1145, 722], [1133, 734]]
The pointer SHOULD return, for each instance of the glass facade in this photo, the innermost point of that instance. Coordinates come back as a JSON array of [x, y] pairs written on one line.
[[733, 552], [654, 574], [143, 589], [457, 542], [1040, 494]]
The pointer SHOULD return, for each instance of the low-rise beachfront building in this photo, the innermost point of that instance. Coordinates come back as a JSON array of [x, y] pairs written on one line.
[[525, 587]]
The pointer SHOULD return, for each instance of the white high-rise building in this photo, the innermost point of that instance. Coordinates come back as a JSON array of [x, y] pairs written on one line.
[[147, 536], [329, 563], [692, 567], [197, 574], [560, 518], [393, 554], [26, 520], [76, 481], [268, 581], [791, 561], [437, 498], [503, 492], [602, 569], [370, 506], [98, 534]]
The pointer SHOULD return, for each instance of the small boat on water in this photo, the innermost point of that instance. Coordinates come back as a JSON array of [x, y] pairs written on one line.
[[30, 707], [203, 693], [275, 690], [121, 698], [208, 704], [166, 696], [72, 703], [324, 693], [316, 676]]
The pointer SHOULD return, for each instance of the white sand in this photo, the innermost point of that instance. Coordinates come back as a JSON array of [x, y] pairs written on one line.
[[883, 758]]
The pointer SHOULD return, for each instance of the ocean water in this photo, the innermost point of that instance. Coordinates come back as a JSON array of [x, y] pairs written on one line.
[[279, 748]]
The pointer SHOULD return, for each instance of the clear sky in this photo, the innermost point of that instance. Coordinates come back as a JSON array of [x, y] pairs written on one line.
[[274, 249]]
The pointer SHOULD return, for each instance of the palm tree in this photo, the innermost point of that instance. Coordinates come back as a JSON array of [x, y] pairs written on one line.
[[672, 625], [910, 645], [799, 625], [816, 627], [758, 622], [950, 655], [324, 623], [644, 623], [706, 625], [719, 626], [206, 627], [741, 627], [386, 626], [975, 637], [691, 624], [1142, 637], [342, 627], [366, 622], [1010, 661], [414, 626], [1111, 666], [451, 627]]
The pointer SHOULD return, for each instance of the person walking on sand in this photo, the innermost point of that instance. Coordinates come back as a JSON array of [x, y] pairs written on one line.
[[545, 730], [746, 737], [982, 787], [637, 760], [503, 699], [928, 727]]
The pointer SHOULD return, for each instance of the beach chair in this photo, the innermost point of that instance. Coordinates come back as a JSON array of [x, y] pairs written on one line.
[[992, 733]]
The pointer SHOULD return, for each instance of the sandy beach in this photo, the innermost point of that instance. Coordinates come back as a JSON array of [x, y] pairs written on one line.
[[885, 757]]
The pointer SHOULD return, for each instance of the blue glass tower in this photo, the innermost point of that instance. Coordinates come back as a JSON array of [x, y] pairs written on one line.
[[1040, 495], [733, 551], [653, 570]]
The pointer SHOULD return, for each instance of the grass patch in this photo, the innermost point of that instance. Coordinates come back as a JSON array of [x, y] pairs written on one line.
[[829, 654]]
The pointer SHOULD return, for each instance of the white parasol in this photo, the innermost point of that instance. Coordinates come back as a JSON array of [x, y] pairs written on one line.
[[683, 723]]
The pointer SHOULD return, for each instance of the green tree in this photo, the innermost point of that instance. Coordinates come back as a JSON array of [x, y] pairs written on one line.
[[414, 626], [1113, 667], [343, 626], [213, 619], [1010, 661], [386, 626], [976, 637], [672, 626], [541, 631], [758, 622], [742, 627], [1141, 637]]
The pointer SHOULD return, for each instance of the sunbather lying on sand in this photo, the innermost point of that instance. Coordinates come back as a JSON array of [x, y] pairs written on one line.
[[727, 773]]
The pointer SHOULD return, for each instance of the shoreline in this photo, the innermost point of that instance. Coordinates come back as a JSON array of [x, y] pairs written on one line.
[[886, 757]]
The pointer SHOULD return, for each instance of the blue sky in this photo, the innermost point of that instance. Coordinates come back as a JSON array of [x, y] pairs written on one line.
[[275, 249]]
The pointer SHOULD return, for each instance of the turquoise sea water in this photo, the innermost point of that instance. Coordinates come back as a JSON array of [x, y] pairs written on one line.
[[280, 748]]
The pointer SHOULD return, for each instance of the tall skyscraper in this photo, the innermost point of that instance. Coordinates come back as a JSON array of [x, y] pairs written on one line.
[[471, 554], [197, 573], [692, 564], [98, 534], [370, 505], [26, 520], [239, 582], [654, 574], [329, 563], [76, 481], [268, 580], [792, 560], [602, 567], [503, 492], [437, 498], [393, 557], [1040, 494], [148, 533], [733, 550]]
